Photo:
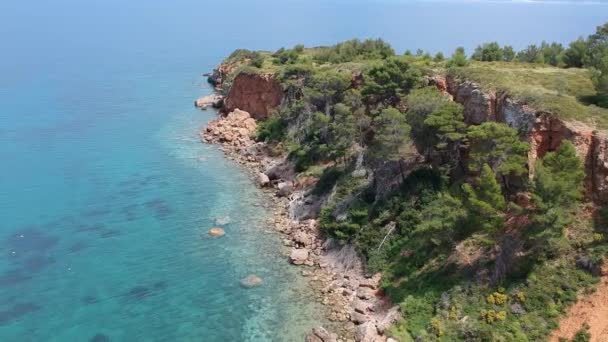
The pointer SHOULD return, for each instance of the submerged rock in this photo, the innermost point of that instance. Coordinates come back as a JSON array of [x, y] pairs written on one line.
[[221, 221], [251, 280], [216, 232]]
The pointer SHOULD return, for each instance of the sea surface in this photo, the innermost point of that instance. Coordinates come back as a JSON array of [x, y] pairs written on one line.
[[106, 193]]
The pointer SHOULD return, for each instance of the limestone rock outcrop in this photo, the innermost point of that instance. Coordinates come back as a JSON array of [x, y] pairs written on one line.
[[299, 256], [320, 334], [543, 131], [213, 100], [235, 129]]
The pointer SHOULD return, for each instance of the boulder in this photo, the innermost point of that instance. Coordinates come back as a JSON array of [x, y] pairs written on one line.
[[303, 238], [213, 100], [282, 169], [216, 232], [365, 293], [250, 281], [370, 283], [320, 334], [299, 256], [285, 188], [358, 318], [263, 180], [367, 332], [360, 306], [392, 315]]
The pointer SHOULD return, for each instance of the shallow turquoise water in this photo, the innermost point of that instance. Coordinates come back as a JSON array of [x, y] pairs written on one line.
[[106, 193], [104, 228]]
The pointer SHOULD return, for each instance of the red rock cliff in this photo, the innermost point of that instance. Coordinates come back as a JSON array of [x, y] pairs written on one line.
[[543, 131], [256, 94]]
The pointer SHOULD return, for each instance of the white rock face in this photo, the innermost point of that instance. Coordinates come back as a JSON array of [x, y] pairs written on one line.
[[263, 180], [214, 100], [299, 256], [285, 188]]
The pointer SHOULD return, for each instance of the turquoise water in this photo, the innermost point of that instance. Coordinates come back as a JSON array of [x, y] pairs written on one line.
[[105, 217], [106, 193]]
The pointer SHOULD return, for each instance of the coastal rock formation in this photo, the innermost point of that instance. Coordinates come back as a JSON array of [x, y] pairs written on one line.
[[367, 332], [257, 94], [543, 131], [235, 129], [299, 256], [479, 106], [263, 180], [220, 75], [213, 100], [320, 334]]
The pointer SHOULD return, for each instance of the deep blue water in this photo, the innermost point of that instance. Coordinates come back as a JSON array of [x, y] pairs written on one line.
[[106, 192]]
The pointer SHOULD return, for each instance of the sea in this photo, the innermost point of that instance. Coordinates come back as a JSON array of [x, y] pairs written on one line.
[[107, 193]]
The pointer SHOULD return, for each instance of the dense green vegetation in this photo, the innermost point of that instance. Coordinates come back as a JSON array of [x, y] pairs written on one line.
[[469, 245]]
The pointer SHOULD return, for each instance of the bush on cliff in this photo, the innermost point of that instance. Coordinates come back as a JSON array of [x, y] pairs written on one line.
[[355, 50]]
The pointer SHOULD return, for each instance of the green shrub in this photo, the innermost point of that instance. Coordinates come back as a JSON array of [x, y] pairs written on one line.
[[271, 129]]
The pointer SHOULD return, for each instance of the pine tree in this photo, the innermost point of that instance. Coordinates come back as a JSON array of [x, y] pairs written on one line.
[[499, 146], [558, 180], [485, 202], [342, 131], [392, 133], [558, 185], [441, 218]]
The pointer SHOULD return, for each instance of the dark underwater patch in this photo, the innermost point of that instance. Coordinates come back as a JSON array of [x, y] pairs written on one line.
[[100, 338], [78, 246], [129, 212], [13, 277], [160, 285], [37, 263], [107, 233], [17, 311], [89, 299], [159, 207], [30, 240], [138, 293]]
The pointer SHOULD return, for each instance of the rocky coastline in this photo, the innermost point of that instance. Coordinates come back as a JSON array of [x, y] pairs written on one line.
[[352, 299]]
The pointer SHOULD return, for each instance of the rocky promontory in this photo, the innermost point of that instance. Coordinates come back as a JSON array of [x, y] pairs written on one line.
[[352, 298]]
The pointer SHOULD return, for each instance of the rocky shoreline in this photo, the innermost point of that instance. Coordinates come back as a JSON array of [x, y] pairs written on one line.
[[352, 298]]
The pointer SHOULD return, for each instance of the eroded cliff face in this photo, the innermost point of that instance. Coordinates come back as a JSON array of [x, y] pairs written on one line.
[[257, 94], [543, 131]]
